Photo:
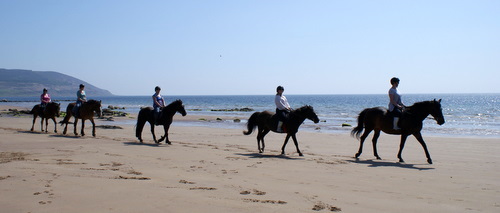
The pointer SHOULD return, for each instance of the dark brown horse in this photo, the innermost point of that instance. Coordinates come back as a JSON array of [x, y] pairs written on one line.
[[86, 111], [51, 111], [411, 122], [267, 121], [165, 118]]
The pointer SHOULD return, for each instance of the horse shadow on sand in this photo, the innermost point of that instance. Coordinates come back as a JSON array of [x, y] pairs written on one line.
[[377, 163], [33, 132], [66, 136], [264, 156], [135, 143]]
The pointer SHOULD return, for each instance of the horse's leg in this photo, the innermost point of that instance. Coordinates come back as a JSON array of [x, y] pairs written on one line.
[[93, 126], [418, 135], [259, 133], [65, 129], [41, 124], [401, 146], [34, 119], [153, 132], [264, 133], [165, 137], [296, 144], [55, 124], [83, 127], [74, 126], [46, 125], [362, 141], [259, 137], [284, 144], [376, 134]]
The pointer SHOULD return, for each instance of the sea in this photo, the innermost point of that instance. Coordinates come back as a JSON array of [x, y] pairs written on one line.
[[466, 115]]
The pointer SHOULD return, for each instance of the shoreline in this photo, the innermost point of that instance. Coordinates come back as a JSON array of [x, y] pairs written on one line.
[[227, 122]]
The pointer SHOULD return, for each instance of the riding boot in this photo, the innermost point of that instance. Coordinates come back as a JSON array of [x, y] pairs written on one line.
[[395, 124], [280, 124]]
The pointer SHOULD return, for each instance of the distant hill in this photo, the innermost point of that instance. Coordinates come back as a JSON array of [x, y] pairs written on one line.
[[19, 83]]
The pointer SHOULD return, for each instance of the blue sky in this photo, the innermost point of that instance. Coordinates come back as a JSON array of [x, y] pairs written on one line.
[[250, 47]]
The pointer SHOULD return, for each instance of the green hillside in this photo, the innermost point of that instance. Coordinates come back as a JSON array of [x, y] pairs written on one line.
[[16, 82]]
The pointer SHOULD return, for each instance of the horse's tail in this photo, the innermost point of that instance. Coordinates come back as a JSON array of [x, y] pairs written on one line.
[[68, 115], [356, 131], [141, 121], [252, 123]]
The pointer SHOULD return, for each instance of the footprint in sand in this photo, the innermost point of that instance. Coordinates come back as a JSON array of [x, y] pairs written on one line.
[[264, 201], [203, 188], [186, 182], [320, 206], [255, 192]]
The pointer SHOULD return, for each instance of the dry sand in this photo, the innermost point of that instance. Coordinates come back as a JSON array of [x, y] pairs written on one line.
[[220, 170]]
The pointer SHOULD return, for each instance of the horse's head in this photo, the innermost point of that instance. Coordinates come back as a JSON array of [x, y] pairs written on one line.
[[437, 112], [95, 106], [57, 108], [308, 112], [177, 107]]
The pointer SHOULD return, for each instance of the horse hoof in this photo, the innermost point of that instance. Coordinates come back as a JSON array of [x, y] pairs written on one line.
[[401, 161], [168, 142], [429, 161], [357, 155], [300, 154], [378, 158]]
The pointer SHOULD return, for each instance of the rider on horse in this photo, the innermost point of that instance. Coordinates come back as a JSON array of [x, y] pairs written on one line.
[[44, 99], [395, 104], [81, 98], [158, 103], [282, 107]]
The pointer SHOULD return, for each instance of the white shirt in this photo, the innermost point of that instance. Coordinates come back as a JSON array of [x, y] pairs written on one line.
[[281, 102], [397, 98]]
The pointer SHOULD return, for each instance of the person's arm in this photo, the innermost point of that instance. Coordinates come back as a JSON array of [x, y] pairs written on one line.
[[393, 101], [80, 96], [155, 101], [280, 103]]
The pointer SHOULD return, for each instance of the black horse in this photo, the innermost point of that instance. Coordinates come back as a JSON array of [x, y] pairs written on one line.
[[86, 111], [165, 119], [267, 121], [51, 111], [411, 122]]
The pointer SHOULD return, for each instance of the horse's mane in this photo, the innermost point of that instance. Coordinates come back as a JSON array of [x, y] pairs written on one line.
[[303, 108], [418, 106], [174, 104], [92, 101]]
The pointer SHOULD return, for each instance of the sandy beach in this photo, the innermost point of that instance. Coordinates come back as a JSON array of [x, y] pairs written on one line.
[[220, 170]]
